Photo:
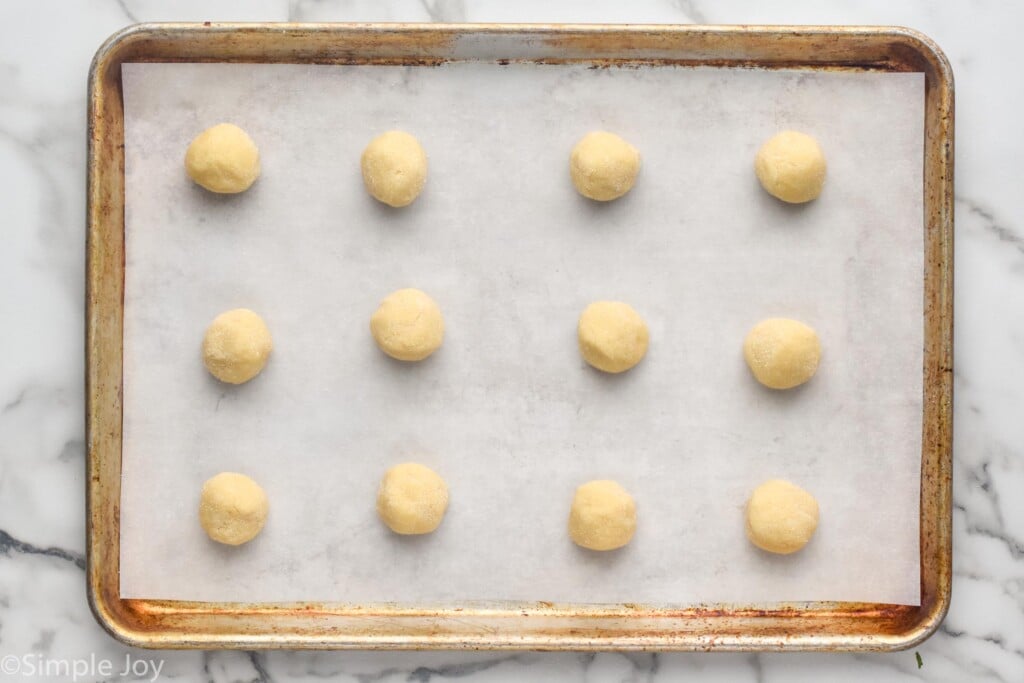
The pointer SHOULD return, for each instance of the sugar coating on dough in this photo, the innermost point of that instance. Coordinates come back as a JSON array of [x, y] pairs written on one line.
[[236, 346], [603, 166], [782, 353], [232, 508], [412, 499], [408, 325], [602, 516], [223, 159], [612, 336], [791, 167], [781, 517], [394, 168]]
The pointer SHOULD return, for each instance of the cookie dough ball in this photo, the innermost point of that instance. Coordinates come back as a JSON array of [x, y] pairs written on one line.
[[223, 159], [232, 508], [781, 517], [782, 353], [603, 166], [603, 516], [236, 346], [612, 336], [408, 325], [791, 166], [412, 499], [394, 168]]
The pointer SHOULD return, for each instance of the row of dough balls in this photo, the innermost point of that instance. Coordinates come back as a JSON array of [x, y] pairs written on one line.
[[412, 499], [408, 326], [603, 166]]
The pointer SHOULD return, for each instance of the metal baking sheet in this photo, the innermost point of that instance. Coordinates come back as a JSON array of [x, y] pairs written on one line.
[[576, 603]]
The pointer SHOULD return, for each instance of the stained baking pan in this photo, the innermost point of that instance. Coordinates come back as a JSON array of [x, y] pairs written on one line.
[[511, 625]]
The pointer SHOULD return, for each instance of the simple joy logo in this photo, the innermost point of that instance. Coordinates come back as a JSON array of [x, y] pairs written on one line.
[[82, 668]]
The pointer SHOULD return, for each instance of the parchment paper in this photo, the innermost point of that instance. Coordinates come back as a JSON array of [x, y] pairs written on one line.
[[506, 411]]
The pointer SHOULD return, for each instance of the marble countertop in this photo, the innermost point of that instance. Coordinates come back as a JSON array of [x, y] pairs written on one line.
[[45, 48]]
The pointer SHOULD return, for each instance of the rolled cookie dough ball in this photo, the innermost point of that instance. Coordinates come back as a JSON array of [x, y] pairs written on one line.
[[223, 159], [603, 516], [791, 166], [782, 353], [603, 166], [232, 508], [612, 336], [781, 517], [236, 346], [412, 499], [408, 325], [394, 168]]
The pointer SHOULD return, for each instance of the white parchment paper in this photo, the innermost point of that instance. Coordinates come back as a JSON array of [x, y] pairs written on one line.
[[506, 411]]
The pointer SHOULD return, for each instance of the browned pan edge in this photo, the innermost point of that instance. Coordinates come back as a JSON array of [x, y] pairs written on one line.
[[510, 625]]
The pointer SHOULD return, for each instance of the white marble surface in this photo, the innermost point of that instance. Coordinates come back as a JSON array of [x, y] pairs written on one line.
[[45, 48]]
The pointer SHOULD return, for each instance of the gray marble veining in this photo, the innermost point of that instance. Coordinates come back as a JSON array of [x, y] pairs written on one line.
[[45, 49]]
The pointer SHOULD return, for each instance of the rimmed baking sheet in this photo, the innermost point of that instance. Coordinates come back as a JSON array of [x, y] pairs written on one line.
[[511, 624]]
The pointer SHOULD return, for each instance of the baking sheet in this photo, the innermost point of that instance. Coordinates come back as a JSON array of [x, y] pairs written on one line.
[[506, 411]]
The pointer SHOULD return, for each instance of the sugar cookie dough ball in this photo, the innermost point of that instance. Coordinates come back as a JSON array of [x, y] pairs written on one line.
[[612, 336], [236, 346], [603, 516], [223, 159], [791, 166], [781, 517], [603, 166], [394, 168], [408, 325], [782, 353], [412, 499], [232, 508]]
